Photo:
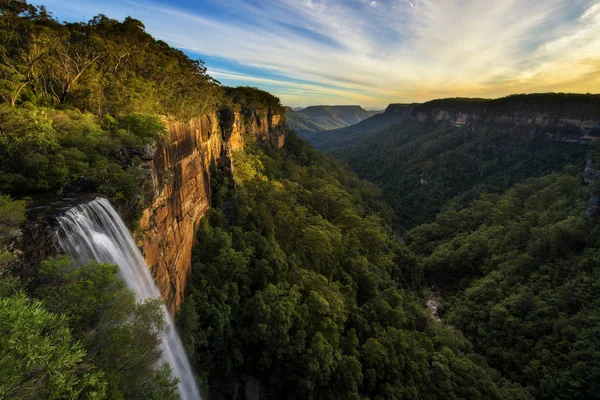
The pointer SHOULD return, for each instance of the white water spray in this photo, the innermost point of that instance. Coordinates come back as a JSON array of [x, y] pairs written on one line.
[[94, 231]]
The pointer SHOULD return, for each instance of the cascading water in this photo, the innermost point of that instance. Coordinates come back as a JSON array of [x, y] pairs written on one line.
[[94, 231]]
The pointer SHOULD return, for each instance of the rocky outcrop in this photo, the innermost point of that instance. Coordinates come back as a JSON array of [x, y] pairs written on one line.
[[586, 129], [36, 243], [567, 117], [181, 196]]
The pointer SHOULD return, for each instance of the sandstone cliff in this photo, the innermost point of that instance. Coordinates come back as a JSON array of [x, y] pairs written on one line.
[[180, 173], [568, 116]]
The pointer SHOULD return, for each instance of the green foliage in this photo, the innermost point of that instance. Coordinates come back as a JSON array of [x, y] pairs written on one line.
[[39, 357], [12, 214], [306, 288], [144, 127], [422, 168], [521, 279], [99, 66], [249, 99], [122, 337], [45, 149]]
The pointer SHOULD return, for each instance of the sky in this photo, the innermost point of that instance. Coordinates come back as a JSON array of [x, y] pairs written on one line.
[[375, 52]]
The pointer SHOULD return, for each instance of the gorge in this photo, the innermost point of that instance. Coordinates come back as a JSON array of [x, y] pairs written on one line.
[[180, 174], [165, 236]]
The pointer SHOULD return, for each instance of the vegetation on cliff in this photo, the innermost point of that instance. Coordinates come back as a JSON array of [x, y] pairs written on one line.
[[303, 286], [80, 102], [44, 149]]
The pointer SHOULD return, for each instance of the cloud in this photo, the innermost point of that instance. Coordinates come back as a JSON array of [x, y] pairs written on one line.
[[381, 51]]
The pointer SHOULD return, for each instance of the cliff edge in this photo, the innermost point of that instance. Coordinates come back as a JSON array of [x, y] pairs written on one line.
[[571, 116], [180, 172]]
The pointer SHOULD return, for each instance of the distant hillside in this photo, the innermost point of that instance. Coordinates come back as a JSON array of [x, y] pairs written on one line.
[[563, 114], [458, 148], [324, 118], [559, 104], [330, 140]]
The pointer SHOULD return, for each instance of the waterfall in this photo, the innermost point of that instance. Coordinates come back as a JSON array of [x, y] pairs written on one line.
[[94, 231]]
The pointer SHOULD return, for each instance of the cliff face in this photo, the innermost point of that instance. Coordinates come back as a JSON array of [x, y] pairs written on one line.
[[180, 172], [571, 116], [585, 128]]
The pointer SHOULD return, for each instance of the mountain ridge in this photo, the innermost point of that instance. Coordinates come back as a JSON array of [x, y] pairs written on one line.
[[327, 140], [559, 116], [325, 117]]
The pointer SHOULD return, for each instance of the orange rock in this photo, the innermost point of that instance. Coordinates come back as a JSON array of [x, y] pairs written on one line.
[[181, 186]]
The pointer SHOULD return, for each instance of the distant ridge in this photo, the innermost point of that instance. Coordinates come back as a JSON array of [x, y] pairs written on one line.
[[571, 116], [327, 141], [566, 114], [323, 117]]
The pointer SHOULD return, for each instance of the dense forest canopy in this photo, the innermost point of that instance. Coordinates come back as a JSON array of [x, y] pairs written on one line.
[[520, 271], [496, 217], [422, 167], [303, 278], [304, 287]]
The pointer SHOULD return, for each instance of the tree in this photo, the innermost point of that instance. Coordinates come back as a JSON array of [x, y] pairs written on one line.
[[12, 214], [39, 359], [123, 337]]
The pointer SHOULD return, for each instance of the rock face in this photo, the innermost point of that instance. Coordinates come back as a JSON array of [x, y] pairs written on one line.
[[567, 117], [180, 173], [568, 126]]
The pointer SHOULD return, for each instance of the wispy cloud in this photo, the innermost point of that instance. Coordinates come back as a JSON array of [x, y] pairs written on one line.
[[376, 52]]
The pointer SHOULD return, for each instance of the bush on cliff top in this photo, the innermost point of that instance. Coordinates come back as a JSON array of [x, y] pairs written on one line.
[[44, 149], [249, 99]]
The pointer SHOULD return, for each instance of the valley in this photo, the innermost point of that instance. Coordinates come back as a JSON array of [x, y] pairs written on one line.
[[492, 200], [315, 119], [164, 235]]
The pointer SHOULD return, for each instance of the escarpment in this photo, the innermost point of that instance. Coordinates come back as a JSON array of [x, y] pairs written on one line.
[[571, 117], [181, 195]]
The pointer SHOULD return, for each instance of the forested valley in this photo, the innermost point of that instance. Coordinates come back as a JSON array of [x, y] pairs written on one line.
[[502, 226], [304, 286], [306, 280]]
